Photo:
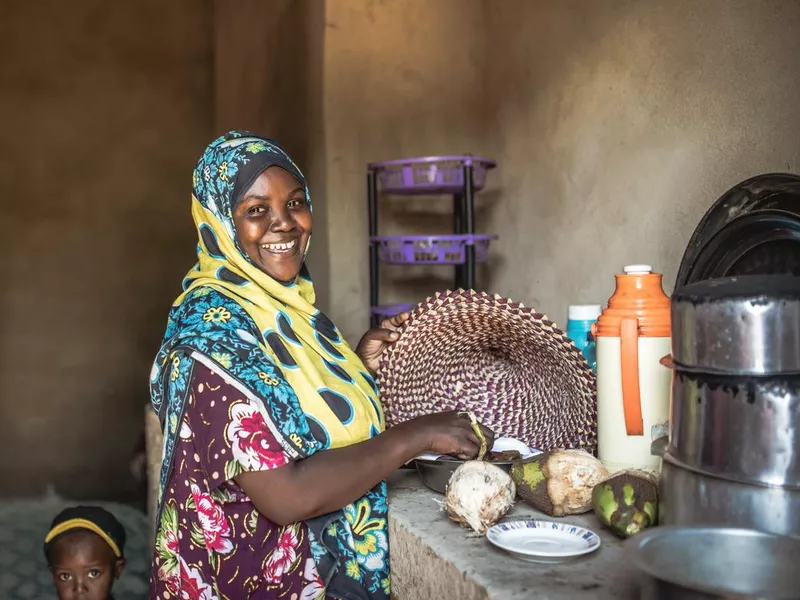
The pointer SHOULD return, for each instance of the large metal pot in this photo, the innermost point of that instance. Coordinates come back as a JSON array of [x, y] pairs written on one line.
[[703, 563], [741, 428], [687, 497], [734, 436], [748, 325]]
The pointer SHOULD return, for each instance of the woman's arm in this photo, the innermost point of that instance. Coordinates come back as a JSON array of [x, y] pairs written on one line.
[[329, 480]]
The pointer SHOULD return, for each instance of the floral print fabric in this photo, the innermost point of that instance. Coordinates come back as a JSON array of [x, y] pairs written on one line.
[[212, 543]]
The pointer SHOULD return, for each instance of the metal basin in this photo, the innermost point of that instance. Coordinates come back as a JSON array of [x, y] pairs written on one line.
[[436, 473], [744, 429], [700, 563], [686, 497]]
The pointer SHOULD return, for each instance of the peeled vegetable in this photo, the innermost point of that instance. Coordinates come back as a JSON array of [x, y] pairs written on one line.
[[559, 482], [627, 502], [478, 495]]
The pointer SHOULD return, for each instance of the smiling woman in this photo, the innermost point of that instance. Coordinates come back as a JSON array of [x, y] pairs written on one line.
[[272, 481], [273, 224]]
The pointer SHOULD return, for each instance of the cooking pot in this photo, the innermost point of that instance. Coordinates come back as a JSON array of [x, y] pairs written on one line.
[[744, 429], [688, 497], [736, 387], [744, 325], [703, 563], [733, 455]]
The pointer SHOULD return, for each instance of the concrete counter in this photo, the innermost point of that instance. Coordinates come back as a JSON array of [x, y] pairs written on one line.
[[432, 557]]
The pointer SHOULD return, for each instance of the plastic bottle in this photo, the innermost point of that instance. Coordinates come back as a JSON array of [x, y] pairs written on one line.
[[579, 322]]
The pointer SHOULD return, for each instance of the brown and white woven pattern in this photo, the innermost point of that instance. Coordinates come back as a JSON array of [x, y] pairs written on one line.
[[509, 365]]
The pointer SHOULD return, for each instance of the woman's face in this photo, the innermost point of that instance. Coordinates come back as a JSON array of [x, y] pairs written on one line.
[[273, 224]]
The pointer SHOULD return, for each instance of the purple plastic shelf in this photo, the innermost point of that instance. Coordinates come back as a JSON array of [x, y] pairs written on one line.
[[431, 249], [431, 174], [390, 310]]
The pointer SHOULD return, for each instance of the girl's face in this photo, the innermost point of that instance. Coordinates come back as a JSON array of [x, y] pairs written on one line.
[[84, 567]]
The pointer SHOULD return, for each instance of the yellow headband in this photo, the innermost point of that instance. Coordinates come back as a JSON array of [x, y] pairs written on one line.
[[82, 524]]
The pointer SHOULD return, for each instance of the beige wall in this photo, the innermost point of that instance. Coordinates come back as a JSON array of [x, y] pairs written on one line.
[[618, 123], [401, 78], [105, 108]]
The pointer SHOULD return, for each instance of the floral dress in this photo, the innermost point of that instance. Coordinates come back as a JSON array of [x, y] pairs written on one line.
[[212, 543]]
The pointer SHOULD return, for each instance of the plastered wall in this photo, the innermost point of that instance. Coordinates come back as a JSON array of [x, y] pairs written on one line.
[[401, 78], [104, 109], [618, 123]]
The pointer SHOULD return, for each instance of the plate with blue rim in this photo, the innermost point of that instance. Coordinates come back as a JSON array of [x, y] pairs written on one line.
[[543, 541]]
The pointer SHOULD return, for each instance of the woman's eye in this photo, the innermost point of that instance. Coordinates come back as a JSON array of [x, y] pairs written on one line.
[[64, 576], [94, 573], [296, 202], [256, 210]]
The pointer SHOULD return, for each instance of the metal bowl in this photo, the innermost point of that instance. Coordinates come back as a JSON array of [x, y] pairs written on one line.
[[436, 473], [689, 498], [695, 563]]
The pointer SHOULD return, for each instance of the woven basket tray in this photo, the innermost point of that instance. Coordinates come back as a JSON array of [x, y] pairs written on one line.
[[513, 368]]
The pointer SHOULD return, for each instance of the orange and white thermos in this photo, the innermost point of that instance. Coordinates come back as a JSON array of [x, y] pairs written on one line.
[[633, 387]]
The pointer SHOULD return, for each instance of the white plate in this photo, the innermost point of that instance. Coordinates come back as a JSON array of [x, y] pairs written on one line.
[[543, 541]]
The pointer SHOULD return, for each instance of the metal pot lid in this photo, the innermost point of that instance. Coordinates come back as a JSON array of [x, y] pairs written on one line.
[[764, 242], [768, 192], [745, 325]]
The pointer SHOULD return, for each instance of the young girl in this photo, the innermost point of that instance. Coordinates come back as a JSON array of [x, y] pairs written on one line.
[[84, 550]]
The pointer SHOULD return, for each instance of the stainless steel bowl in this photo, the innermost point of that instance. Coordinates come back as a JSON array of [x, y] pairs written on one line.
[[744, 325], [743, 429], [436, 473], [695, 563], [686, 497]]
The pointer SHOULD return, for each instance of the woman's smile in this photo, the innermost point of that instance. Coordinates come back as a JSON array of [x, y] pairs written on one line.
[[281, 248]]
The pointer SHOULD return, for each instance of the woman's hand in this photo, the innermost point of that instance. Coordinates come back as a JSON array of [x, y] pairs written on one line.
[[376, 340], [326, 481], [449, 433]]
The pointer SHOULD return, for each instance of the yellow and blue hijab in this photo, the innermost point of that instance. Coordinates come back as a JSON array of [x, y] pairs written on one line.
[[264, 336]]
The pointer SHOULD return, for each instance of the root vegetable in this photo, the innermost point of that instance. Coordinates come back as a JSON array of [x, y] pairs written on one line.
[[478, 495], [559, 482], [627, 502]]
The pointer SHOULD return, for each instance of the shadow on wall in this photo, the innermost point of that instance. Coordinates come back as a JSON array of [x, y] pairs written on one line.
[[106, 116]]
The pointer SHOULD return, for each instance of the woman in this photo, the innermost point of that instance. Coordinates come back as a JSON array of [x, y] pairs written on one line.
[[275, 450]]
